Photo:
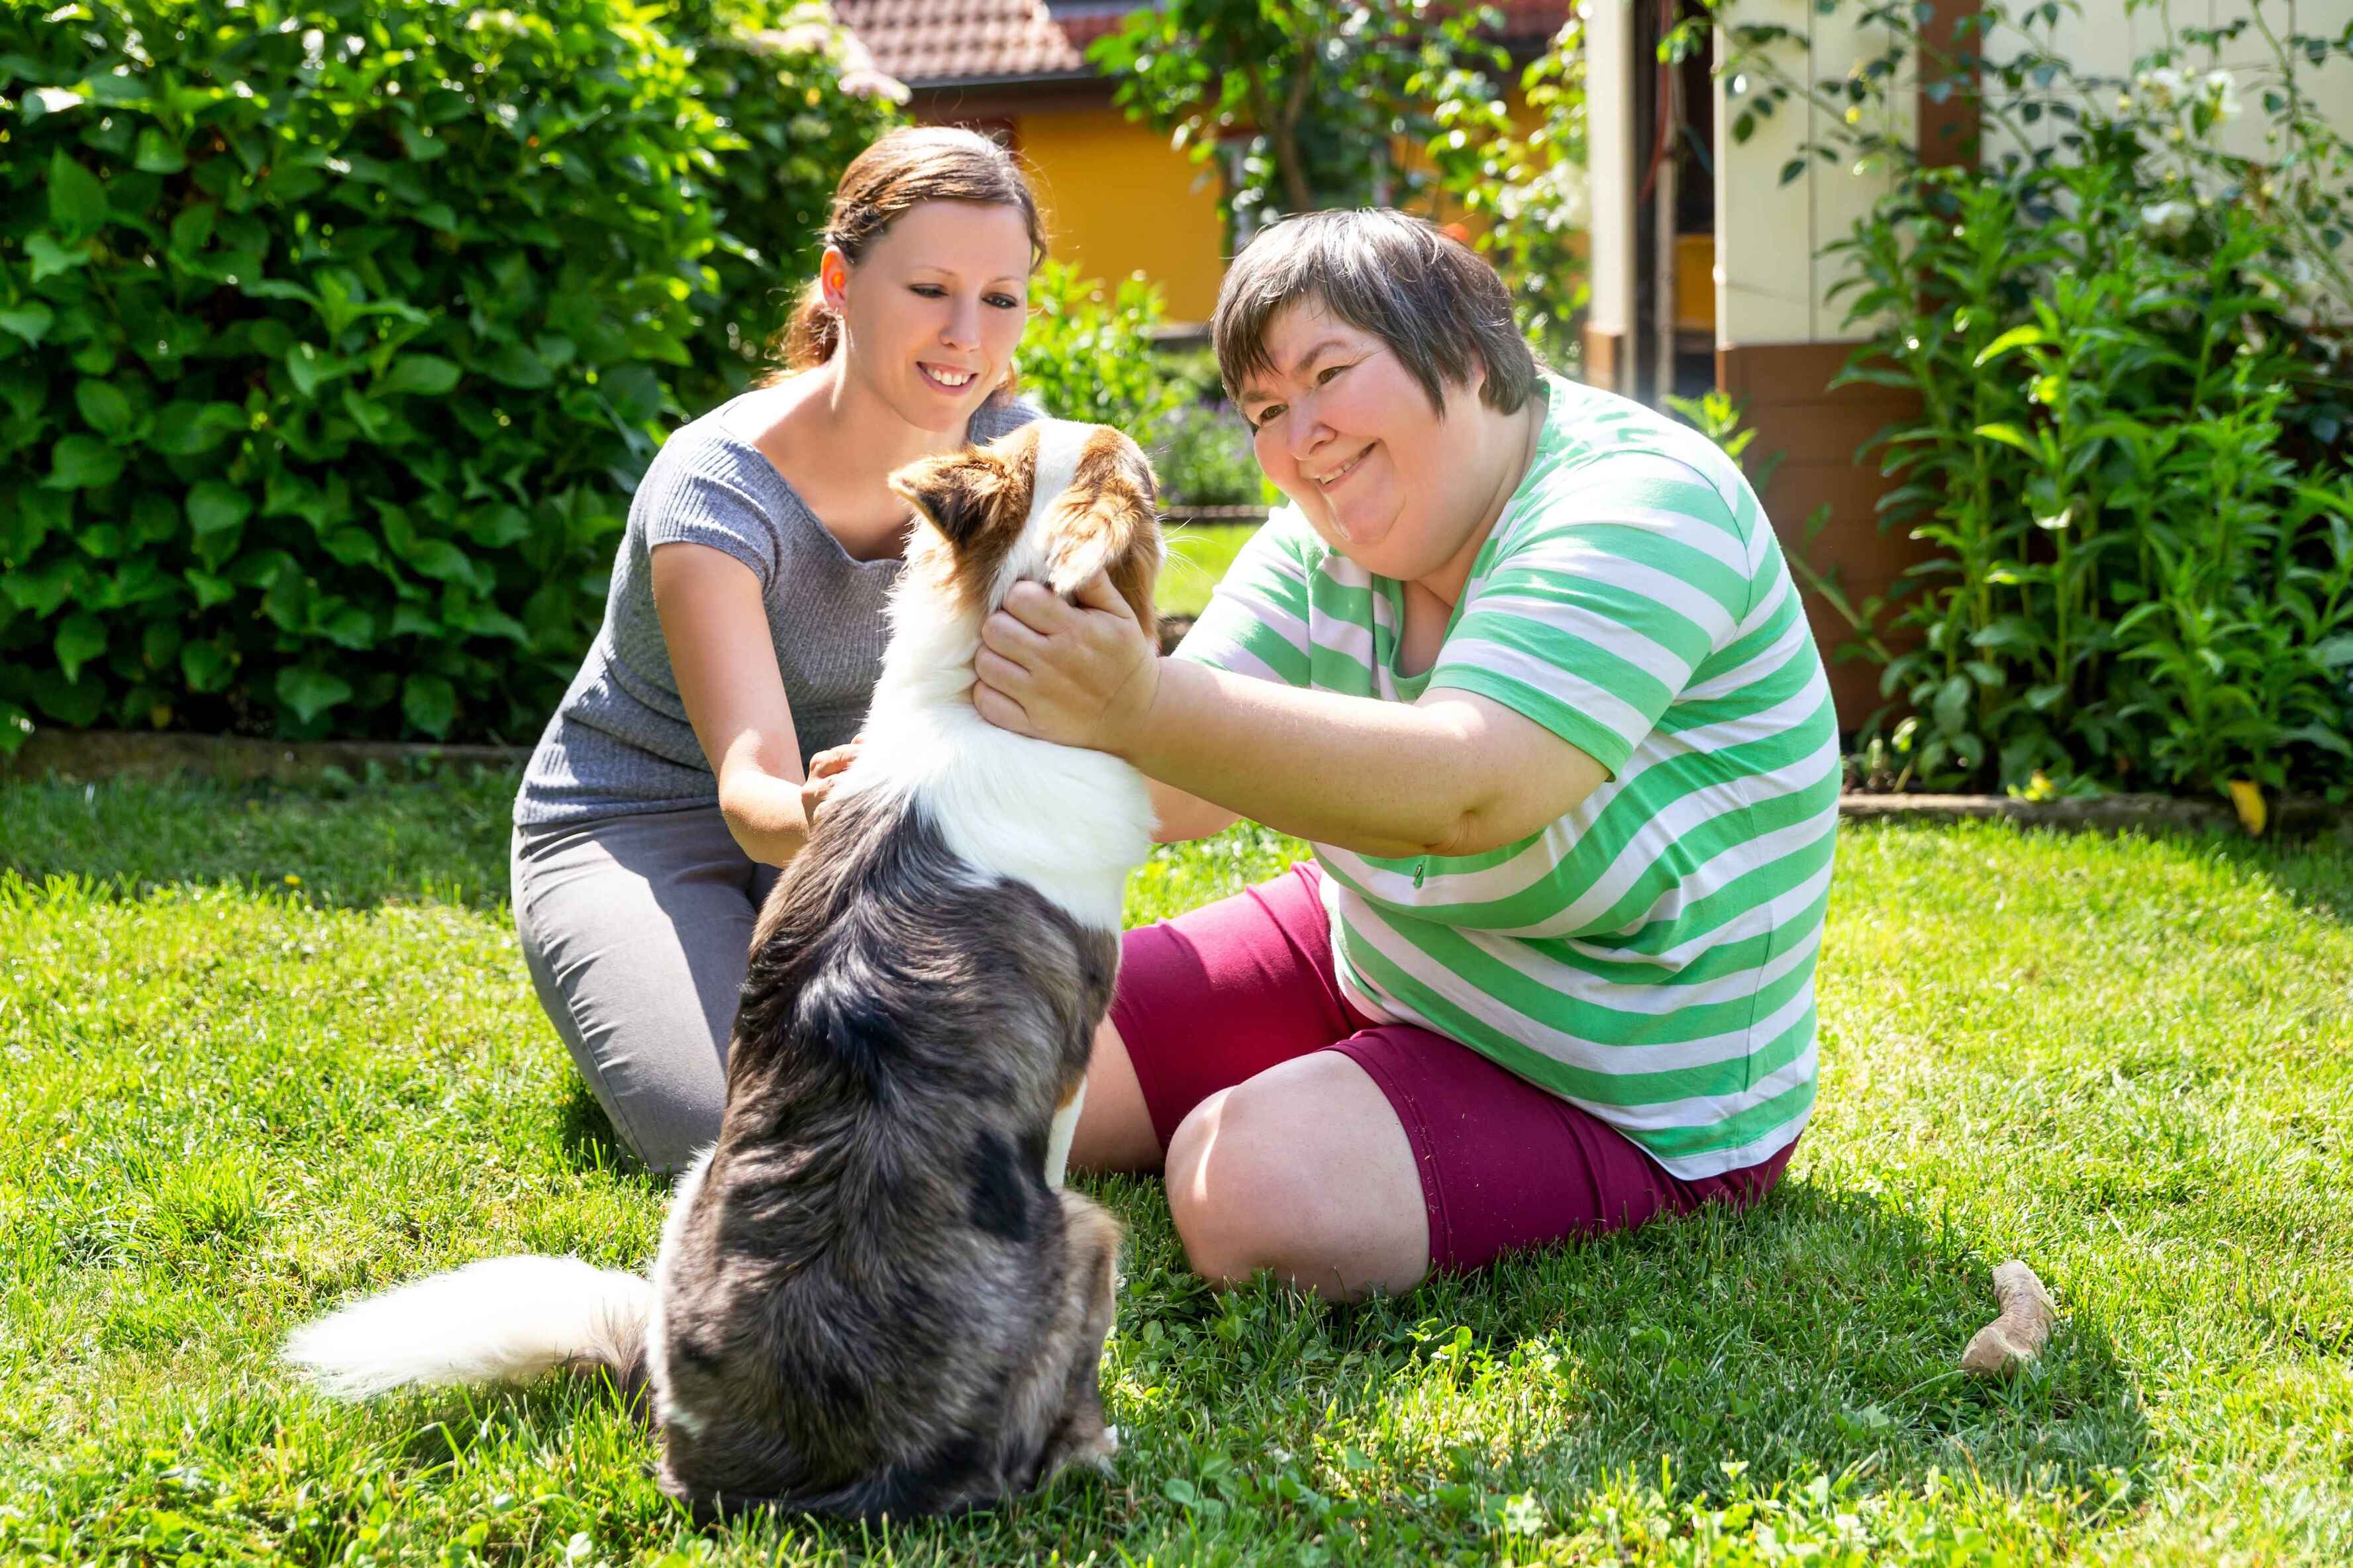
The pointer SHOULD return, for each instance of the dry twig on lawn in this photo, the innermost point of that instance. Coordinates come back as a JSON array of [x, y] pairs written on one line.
[[2018, 1335]]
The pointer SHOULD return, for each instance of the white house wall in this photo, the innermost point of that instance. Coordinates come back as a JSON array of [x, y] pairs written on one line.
[[2333, 85], [1772, 282], [2109, 37], [1765, 231]]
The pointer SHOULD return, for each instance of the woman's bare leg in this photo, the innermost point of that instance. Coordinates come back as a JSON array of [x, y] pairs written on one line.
[[1114, 1128]]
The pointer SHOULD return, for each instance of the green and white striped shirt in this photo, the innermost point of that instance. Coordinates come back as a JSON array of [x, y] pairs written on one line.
[[1650, 957]]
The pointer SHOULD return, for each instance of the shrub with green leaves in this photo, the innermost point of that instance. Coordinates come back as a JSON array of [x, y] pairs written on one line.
[[2130, 465], [334, 336], [1306, 105], [1202, 452], [1201, 446], [794, 100], [1088, 352], [2134, 584], [1527, 186]]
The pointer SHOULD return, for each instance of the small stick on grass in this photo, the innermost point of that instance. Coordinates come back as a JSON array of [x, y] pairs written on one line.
[[2017, 1336]]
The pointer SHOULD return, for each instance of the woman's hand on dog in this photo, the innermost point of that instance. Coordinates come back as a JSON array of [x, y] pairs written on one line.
[[1077, 674], [825, 771]]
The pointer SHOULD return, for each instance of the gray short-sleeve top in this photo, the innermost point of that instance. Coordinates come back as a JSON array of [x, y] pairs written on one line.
[[619, 743]]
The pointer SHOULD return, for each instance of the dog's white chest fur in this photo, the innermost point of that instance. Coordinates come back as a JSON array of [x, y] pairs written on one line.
[[1070, 823]]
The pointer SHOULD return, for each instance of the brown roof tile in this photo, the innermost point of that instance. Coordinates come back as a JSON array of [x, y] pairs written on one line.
[[925, 42], [921, 41]]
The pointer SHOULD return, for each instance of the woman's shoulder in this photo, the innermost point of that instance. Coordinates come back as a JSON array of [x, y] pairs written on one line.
[[719, 443], [1000, 415], [710, 485], [1592, 438], [1286, 556], [730, 435], [1287, 532]]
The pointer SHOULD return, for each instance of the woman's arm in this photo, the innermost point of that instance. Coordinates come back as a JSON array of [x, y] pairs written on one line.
[[716, 627], [1455, 774], [1181, 815]]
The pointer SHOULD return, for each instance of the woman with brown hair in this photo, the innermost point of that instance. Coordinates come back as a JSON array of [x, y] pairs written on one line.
[[743, 630]]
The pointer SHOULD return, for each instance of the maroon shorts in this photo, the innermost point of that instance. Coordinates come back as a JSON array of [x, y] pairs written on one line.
[[1219, 994]]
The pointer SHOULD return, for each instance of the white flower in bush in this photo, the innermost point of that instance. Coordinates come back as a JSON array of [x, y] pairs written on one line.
[[2171, 219], [809, 36], [2163, 87], [874, 84], [2223, 90], [2294, 288], [1564, 187]]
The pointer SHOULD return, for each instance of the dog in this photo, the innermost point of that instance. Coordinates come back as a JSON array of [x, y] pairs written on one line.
[[872, 1295]]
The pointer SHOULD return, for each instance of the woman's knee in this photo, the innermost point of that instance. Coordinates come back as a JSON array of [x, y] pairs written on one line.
[[1232, 1191], [629, 949], [1304, 1171]]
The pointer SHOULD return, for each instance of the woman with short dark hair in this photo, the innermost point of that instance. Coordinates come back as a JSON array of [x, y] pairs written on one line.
[[1525, 665]]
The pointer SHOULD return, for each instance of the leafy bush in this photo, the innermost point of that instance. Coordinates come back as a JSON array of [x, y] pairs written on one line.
[[1305, 105], [1088, 354], [1201, 450], [334, 336], [2131, 457], [1528, 187], [795, 99]]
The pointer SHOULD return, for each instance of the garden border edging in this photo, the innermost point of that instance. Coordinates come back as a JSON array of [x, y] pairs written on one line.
[[84, 755], [89, 755], [2288, 817]]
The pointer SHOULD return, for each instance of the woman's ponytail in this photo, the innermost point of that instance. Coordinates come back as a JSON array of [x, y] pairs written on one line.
[[813, 333]]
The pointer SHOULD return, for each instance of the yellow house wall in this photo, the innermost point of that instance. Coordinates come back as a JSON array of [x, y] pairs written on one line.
[[1118, 200]]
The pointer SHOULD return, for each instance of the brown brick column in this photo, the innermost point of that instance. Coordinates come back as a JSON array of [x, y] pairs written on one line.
[[1784, 390], [1605, 359]]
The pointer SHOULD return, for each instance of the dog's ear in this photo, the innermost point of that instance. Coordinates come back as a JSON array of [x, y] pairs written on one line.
[[1115, 525], [1110, 504], [956, 490]]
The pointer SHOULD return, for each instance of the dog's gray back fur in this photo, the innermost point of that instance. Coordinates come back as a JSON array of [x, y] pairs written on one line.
[[873, 1302]]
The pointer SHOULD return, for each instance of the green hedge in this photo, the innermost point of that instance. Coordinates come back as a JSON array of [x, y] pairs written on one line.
[[790, 128], [334, 336]]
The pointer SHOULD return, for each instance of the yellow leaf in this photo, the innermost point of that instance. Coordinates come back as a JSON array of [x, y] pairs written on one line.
[[2248, 796]]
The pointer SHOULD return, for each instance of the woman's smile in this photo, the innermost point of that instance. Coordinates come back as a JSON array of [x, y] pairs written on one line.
[[1356, 505], [949, 379], [1330, 479]]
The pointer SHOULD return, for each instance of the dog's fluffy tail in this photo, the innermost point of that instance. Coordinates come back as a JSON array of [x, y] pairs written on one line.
[[501, 1320]]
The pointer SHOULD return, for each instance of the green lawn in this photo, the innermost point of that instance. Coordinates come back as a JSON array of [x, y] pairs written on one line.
[[1199, 554], [265, 1050]]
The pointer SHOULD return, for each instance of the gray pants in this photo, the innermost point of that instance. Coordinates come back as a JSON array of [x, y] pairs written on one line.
[[636, 931]]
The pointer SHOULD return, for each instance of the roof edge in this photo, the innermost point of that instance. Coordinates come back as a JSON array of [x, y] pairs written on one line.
[[1001, 83]]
